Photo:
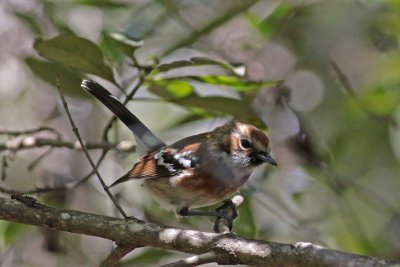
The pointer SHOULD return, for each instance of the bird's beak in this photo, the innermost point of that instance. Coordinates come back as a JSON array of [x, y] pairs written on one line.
[[265, 157]]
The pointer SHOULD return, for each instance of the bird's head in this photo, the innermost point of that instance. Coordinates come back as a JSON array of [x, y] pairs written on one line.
[[247, 145]]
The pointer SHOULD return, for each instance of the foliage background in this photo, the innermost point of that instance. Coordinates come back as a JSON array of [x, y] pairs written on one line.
[[334, 122]]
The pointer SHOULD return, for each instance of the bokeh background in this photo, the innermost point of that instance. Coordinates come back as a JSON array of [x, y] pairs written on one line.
[[321, 77]]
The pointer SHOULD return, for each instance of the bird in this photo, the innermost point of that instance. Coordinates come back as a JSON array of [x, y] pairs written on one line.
[[196, 171]]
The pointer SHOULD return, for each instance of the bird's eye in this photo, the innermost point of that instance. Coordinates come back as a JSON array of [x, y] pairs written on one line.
[[245, 144]]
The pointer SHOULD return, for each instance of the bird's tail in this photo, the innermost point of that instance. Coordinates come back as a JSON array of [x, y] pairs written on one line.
[[142, 134]]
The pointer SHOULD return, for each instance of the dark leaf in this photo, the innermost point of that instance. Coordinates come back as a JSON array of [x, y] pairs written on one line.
[[233, 69], [101, 3], [76, 53], [125, 43], [218, 104], [47, 71], [30, 21], [174, 65], [182, 93]]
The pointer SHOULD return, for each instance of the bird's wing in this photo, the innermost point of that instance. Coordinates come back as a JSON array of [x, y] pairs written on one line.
[[166, 162]]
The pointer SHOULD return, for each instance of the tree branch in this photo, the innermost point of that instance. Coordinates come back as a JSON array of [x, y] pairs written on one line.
[[82, 144], [31, 142], [212, 25], [116, 255], [228, 248]]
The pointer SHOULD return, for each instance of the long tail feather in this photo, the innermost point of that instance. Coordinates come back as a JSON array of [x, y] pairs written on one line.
[[141, 132]]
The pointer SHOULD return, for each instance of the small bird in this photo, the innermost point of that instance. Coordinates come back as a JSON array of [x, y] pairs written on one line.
[[196, 171]]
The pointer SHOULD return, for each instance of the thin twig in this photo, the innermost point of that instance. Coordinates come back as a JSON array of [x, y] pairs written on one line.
[[212, 25], [4, 165], [31, 131], [76, 131], [124, 146], [31, 142], [116, 255], [345, 81], [50, 189], [343, 78], [34, 163]]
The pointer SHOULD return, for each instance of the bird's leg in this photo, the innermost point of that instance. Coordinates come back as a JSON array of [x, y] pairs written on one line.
[[226, 212], [186, 212], [228, 205], [219, 212]]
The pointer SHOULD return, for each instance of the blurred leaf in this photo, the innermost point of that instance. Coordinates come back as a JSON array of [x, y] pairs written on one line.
[[111, 51], [381, 101], [232, 81], [171, 89], [182, 93], [245, 224], [148, 18], [52, 11], [272, 24], [174, 65], [12, 231], [125, 43], [47, 71], [193, 116], [30, 21], [75, 52], [297, 196], [218, 104], [390, 23], [234, 69], [101, 3], [388, 70], [179, 88], [150, 256]]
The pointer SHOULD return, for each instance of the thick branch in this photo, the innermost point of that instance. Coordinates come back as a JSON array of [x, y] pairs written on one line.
[[232, 249]]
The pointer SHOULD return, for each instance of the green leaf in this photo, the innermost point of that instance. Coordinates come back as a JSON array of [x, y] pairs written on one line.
[[111, 50], [47, 71], [272, 24], [218, 104], [231, 81], [125, 43], [101, 3], [11, 231], [245, 224], [171, 89], [191, 117], [381, 101], [173, 65], [179, 88], [233, 69], [182, 93], [30, 21], [76, 53]]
